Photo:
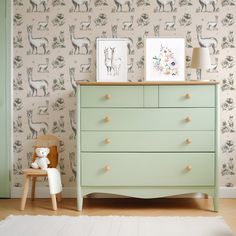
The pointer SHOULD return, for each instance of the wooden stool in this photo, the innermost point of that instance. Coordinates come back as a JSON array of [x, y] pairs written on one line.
[[51, 142], [33, 174]]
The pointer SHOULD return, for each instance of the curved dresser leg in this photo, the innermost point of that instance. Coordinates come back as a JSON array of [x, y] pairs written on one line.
[[215, 204], [80, 203]]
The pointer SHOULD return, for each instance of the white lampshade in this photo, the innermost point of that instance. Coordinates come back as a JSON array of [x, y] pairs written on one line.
[[201, 58]]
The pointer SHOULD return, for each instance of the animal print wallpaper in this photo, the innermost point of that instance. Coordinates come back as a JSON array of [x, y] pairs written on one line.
[[54, 45]]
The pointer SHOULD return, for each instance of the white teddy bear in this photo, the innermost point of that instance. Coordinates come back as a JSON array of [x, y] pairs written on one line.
[[41, 160]]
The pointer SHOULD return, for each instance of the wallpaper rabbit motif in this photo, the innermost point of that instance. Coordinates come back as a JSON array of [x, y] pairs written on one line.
[[54, 45]]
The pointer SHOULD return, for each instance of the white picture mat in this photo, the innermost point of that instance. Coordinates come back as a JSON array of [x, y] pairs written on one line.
[[152, 48], [120, 45]]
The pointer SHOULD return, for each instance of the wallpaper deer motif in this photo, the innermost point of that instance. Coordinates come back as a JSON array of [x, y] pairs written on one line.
[[54, 45]]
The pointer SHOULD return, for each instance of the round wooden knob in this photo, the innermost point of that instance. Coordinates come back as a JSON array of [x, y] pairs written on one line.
[[188, 167], [188, 95], [107, 140], [188, 119], [107, 168], [188, 140], [107, 119], [108, 96]]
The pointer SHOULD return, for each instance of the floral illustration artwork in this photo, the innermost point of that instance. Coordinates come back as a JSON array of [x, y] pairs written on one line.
[[165, 62], [164, 59]]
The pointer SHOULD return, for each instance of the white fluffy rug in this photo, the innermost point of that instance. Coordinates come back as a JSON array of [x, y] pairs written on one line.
[[113, 226]]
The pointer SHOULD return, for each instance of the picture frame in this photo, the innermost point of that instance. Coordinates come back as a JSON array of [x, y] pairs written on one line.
[[112, 56], [164, 59]]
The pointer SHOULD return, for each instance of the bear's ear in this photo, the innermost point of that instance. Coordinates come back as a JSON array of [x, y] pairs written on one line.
[[48, 150]]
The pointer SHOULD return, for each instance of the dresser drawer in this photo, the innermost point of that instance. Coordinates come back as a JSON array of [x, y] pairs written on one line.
[[148, 119], [187, 96], [112, 96], [147, 141], [147, 169]]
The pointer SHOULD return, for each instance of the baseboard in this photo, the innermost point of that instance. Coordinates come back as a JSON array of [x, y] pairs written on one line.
[[225, 192], [70, 192]]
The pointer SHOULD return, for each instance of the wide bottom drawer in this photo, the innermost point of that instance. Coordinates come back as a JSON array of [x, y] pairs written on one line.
[[147, 169]]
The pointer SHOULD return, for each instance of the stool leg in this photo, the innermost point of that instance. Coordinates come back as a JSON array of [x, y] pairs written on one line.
[[54, 202], [59, 198], [25, 192], [33, 188]]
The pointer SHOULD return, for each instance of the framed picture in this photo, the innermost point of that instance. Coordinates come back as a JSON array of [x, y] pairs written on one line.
[[164, 59], [112, 60]]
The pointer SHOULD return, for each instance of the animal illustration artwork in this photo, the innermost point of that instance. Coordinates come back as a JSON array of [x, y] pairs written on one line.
[[72, 80], [43, 109], [36, 127], [115, 62], [43, 25], [206, 3], [156, 29], [73, 122], [120, 4], [162, 3], [128, 25], [86, 67], [114, 31], [36, 43], [43, 67], [79, 3], [73, 166], [170, 25], [212, 25], [36, 85], [86, 25], [36, 3], [209, 42], [112, 62], [79, 43]]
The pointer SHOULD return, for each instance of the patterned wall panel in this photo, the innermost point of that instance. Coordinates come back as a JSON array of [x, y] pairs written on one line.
[[54, 45]]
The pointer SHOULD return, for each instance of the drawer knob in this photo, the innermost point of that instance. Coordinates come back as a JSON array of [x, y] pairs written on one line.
[[188, 96], [108, 96], [107, 119], [189, 168], [188, 119], [107, 168], [188, 140], [107, 140]]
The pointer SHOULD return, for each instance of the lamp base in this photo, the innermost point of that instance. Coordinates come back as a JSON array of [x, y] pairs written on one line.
[[199, 74]]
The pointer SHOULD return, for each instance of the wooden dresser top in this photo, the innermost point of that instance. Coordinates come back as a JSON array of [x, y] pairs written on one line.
[[195, 82]]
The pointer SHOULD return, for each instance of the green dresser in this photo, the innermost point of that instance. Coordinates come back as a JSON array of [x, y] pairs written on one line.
[[147, 139]]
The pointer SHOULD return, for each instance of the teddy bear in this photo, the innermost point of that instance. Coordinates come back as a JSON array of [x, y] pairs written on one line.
[[41, 160]]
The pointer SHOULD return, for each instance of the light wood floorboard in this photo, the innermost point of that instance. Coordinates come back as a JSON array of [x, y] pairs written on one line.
[[126, 206]]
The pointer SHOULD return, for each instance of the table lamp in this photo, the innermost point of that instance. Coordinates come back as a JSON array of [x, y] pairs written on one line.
[[200, 60]]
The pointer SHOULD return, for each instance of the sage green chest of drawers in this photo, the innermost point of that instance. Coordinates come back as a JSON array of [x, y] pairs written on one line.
[[147, 140]]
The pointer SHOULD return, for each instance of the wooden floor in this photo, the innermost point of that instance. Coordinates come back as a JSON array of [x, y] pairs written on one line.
[[129, 207]]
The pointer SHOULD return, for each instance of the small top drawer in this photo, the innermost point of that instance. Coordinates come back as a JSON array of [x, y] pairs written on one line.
[[187, 96], [111, 96]]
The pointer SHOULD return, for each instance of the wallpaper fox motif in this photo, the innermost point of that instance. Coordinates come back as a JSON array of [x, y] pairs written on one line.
[[54, 45]]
